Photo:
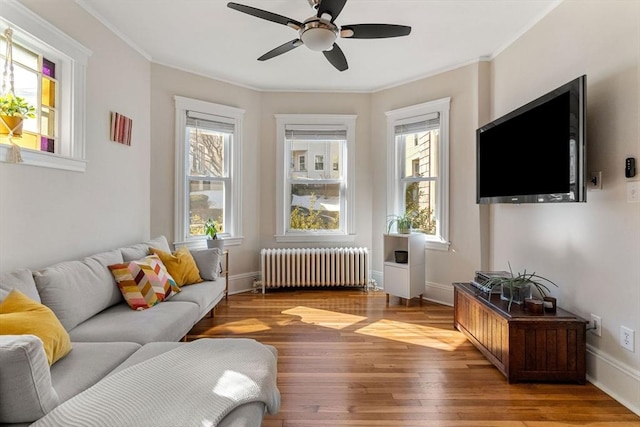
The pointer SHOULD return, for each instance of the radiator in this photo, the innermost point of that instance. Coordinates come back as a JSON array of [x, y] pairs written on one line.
[[301, 267]]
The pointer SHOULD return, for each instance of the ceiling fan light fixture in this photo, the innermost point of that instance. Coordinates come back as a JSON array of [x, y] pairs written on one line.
[[318, 38]]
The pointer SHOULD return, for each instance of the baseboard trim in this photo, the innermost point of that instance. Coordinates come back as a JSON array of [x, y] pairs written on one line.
[[438, 293], [603, 371]]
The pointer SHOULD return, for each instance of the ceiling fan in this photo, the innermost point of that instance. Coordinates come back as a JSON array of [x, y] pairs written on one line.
[[319, 32]]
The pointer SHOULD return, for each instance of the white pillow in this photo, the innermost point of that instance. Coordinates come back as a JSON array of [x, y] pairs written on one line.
[[25, 380], [208, 262]]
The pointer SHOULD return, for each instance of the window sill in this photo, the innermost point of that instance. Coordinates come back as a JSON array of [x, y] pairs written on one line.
[[43, 159], [437, 245], [322, 238], [202, 243]]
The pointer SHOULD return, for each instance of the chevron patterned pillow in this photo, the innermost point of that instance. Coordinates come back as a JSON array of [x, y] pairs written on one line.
[[144, 282]]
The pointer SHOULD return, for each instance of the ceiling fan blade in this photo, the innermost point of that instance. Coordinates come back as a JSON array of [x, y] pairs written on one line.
[[332, 7], [374, 31], [269, 16], [283, 48], [336, 57]]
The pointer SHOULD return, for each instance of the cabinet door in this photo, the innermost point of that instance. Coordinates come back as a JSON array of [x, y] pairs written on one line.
[[396, 281]]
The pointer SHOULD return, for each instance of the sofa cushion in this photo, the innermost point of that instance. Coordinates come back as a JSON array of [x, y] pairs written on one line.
[[19, 314], [208, 262], [77, 290], [206, 294], [25, 380], [87, 364], [180, 265], [141, 250], [147, 351], [22, 280], [144, 282], [164, 322]]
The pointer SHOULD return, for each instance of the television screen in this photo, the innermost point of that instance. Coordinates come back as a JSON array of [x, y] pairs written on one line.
[[535, 154]]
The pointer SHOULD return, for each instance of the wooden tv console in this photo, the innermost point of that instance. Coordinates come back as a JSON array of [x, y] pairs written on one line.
[[524, 347]]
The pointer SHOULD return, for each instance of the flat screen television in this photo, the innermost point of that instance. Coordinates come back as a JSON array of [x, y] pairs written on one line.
[[536, 153]]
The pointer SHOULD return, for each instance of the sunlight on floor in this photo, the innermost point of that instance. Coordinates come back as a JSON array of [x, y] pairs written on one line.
[[328, 319], [413, 334], [408, 333]]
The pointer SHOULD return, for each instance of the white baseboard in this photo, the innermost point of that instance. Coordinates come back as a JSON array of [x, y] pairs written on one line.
[[617, 380], [240, 283]]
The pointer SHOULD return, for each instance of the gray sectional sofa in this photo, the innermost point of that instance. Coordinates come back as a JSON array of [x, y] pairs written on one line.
[[107, 336]]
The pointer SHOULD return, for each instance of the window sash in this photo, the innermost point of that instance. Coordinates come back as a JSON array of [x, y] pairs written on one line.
[[71, 59], [405, 121], [214, 118], [322, 128]]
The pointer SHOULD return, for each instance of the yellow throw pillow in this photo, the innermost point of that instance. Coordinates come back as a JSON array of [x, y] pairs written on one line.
[[20, 315], [180, 265]]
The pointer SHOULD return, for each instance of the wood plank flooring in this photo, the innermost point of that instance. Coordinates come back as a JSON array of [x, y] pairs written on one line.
[[348, 359]]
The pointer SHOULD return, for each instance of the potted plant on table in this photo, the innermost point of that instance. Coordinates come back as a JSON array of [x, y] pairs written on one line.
[[402, 222], [518, 287], [211, 229], [13, 110]]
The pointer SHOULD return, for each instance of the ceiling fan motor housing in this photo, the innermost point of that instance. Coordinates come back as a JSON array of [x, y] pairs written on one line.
[[318, 35]]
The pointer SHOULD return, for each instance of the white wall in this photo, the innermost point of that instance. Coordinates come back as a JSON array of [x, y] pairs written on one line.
[[167, 83], [466, 87], [49, 215], [592, 250], [315, 103]]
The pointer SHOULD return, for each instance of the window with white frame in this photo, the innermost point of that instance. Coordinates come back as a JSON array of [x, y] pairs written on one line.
[[49, 71], [208, 147], [418, 156], [317, 204]]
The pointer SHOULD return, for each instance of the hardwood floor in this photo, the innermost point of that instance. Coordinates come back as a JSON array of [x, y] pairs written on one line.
[[348, 359]]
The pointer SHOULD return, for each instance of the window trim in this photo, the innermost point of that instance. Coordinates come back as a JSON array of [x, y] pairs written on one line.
[[342, 120], [394, 168], [233, 207], [72, 58]]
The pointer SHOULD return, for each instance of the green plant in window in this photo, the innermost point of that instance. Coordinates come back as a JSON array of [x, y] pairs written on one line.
[[403, 223], [211, 229], [16, 106]]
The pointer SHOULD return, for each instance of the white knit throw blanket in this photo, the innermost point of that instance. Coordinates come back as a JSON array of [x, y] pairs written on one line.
[[196, 384]]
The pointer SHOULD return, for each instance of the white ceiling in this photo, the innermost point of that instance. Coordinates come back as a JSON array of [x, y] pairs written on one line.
[[208, 38]]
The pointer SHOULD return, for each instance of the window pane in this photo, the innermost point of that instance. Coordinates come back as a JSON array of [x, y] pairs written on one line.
[[48, 68], [206, 200], [318, 152], [420, 153], [47, 120], [420, 201], [23, 56], [206, 152], [48, 92], [315, 207]]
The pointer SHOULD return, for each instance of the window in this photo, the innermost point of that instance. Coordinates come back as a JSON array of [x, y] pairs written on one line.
[[208, 146], [418, 156], [315, 205], [303, 166], [49, 72]]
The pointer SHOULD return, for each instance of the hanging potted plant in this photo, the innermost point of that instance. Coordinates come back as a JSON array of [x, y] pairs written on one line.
[[13, 110], [211, 229]]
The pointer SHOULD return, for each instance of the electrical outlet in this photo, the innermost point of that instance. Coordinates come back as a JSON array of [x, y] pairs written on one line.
[[633, 192], [626, 338], [596, 325]]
